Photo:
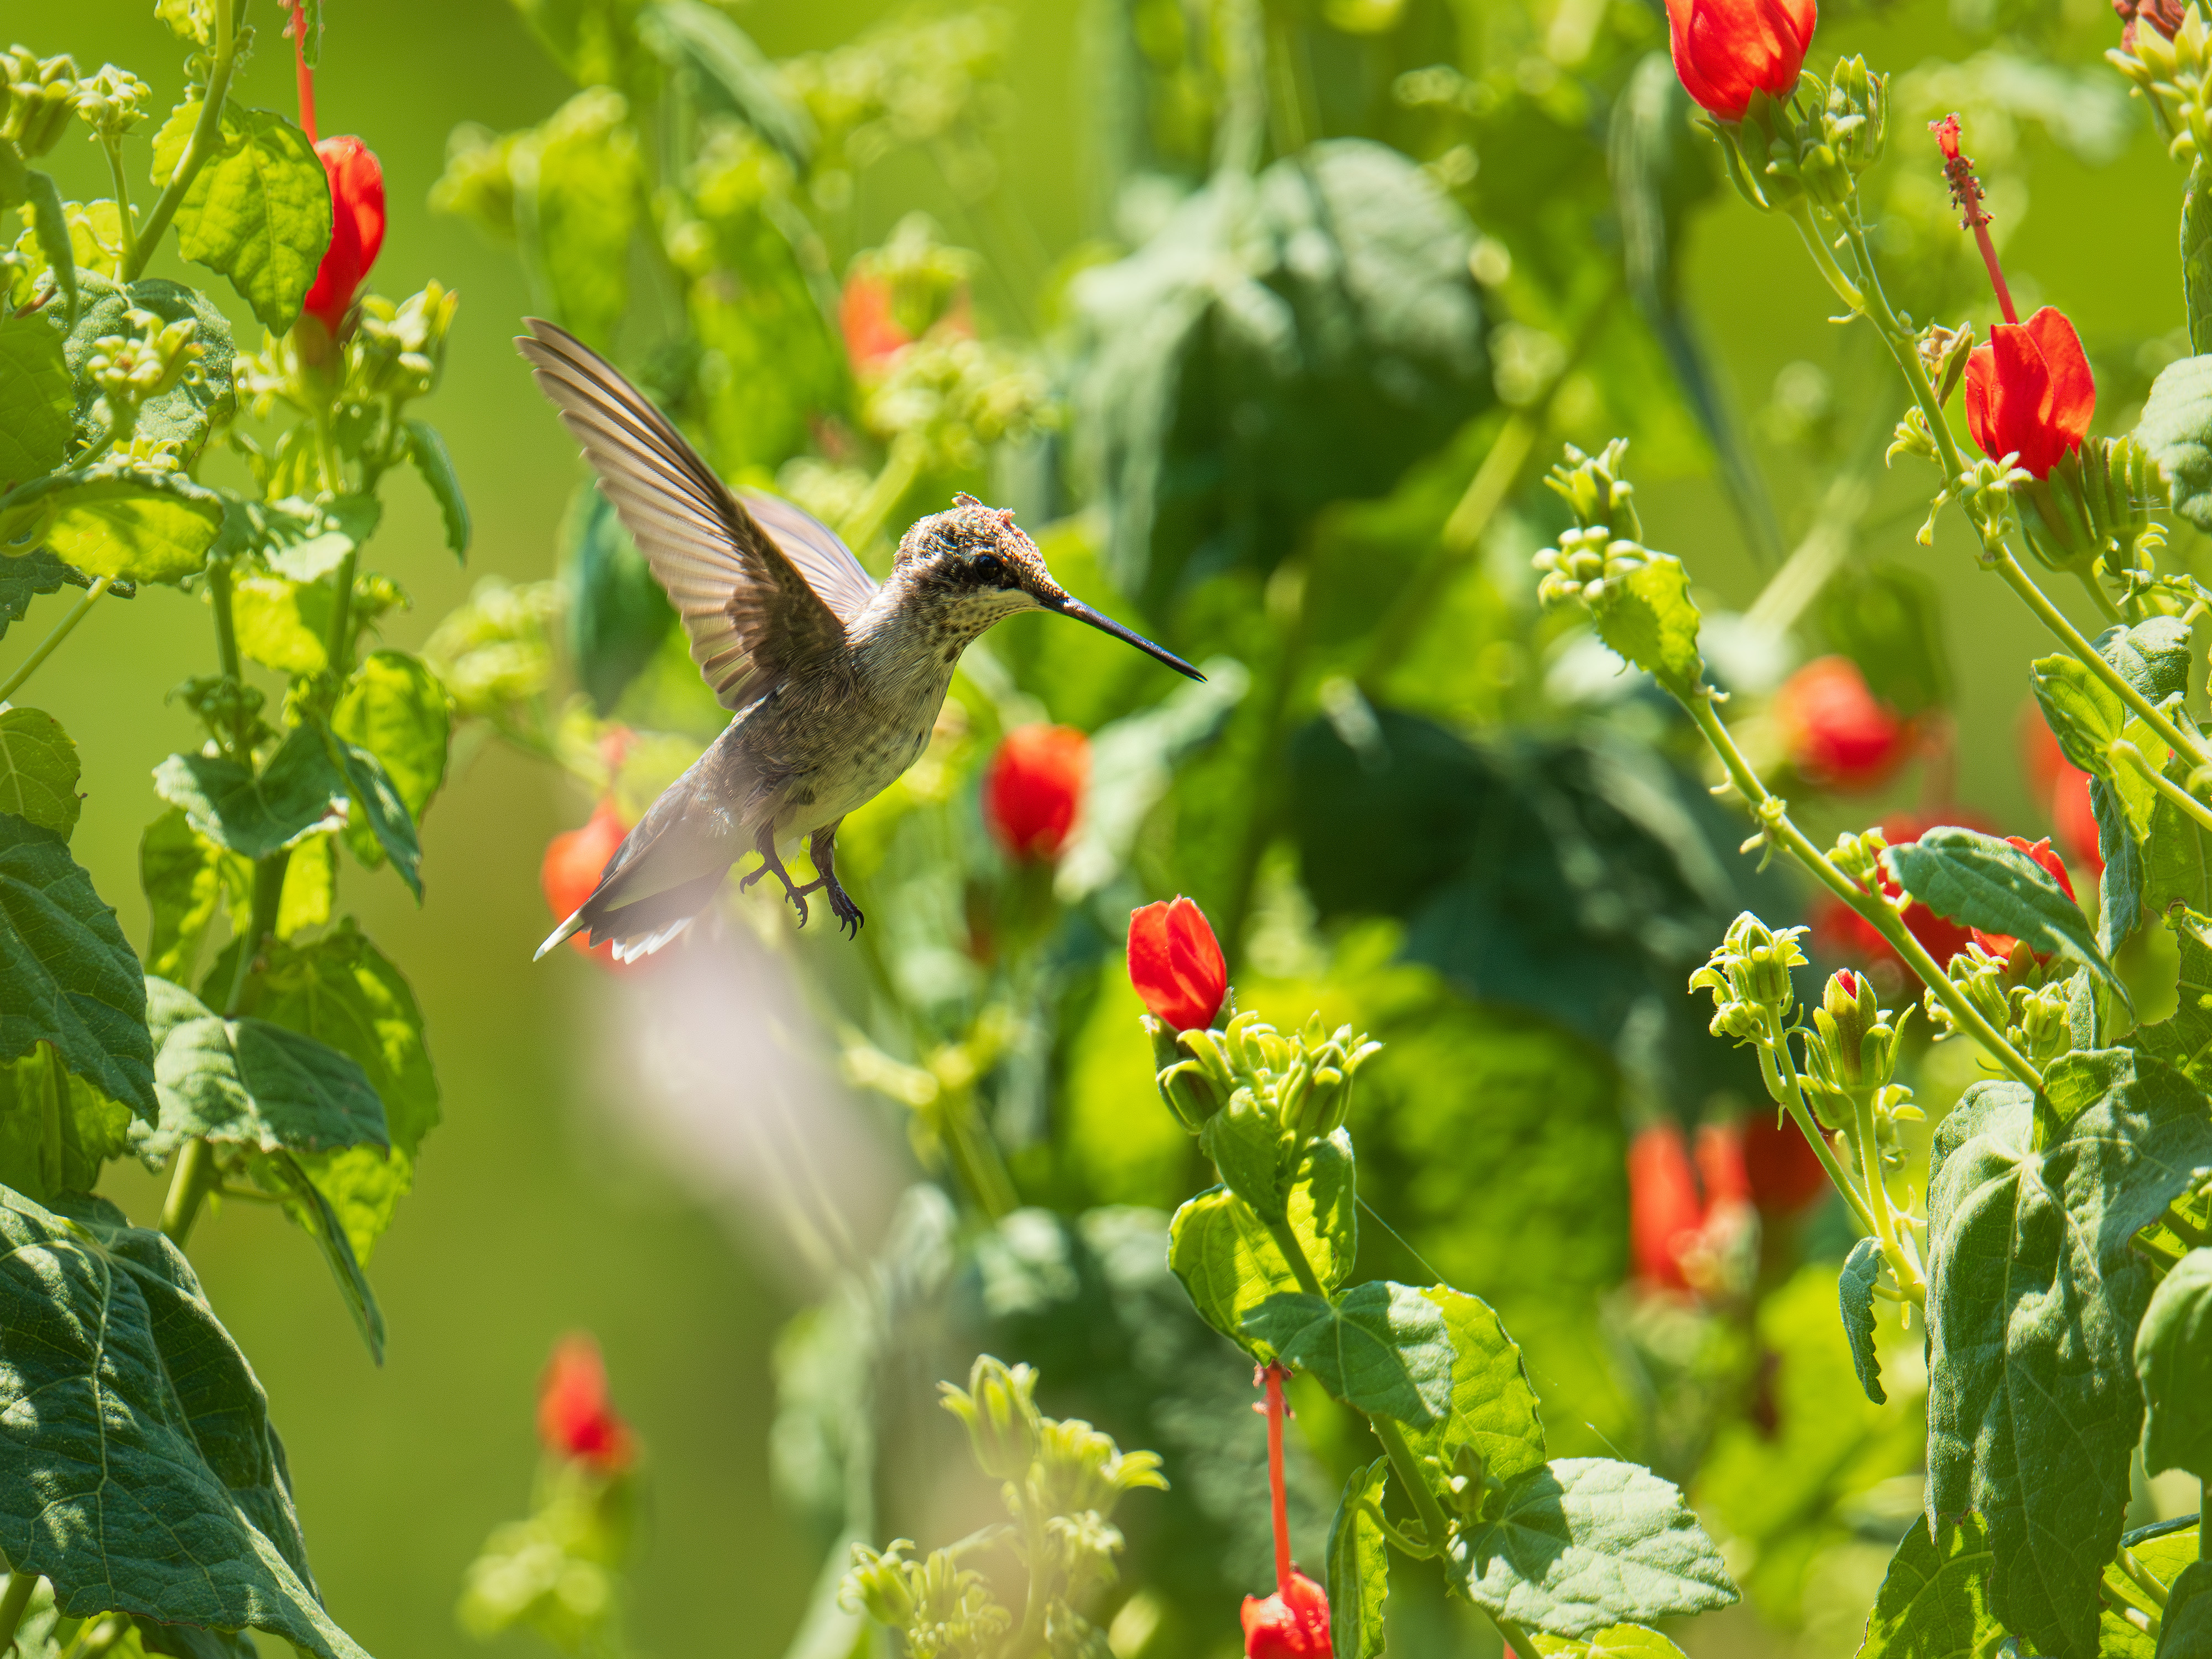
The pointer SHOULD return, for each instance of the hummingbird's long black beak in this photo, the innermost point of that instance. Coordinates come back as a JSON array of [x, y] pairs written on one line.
[[1069, 606]]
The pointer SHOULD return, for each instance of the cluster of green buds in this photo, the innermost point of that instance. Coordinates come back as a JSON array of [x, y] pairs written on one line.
[[950, 398], [397, 352], [1061, 1480], [922, 277], [1637, 599], [111, 102], [1748, 975], [129, 368], [2016, 993], [2095, 504], [38, 95], [2170, 76], [1293, 1088], [1812, 145], [1850, 1055]]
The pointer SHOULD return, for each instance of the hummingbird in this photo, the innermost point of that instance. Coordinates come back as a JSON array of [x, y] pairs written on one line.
[[834, 682]]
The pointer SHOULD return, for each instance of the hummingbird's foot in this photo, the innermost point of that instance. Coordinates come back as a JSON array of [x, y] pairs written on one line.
[[822, 847], [772, 865]]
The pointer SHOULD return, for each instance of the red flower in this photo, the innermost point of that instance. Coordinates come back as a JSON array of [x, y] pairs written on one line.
[[1175, 963], [1664, 1206], [1785, 1173], [1726, 49], [2029, 392], [1291, 1624], [575, 1418], [2166, 16], [1840, 735], [1841, 931], [864, 315], [1034, 788], [356, 229], [2001, 944], [573, 860]]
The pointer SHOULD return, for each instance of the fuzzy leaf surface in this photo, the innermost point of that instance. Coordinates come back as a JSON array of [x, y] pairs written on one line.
[[1989, 884], [1855, 1288], [1493, 1404], [1358, 1567], [1381, 1347], [2174, 1362], [258, 211], [1935, 1599], [252, 813]]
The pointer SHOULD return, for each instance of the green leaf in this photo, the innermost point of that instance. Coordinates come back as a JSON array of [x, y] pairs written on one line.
[[333, 532], [1856, 1288], [1230, 1262], [2173, 1361], [342, 991], [2120, 893], [50, 224], [619, 613], [24, 576], [1648, 617], [1358, 1567], [2151, 656], [1615, 1642], [2033, 1298], [35, 399], [372, 793], [393, 707], [1493, 1404], [38, 770], [184, 414], [186, 877], [2196, 256], [143, 527], [2085, 714], [2176, 430], [2185, 1628], [310, 43], [2177, 856], [55, 1130], [590, 189], [255, 814], [119, 1381], [427, 449], [282, 624], [1935, 1600], [259, 210], [1381, 1347], [1987, 882], [67, 977], [1586, 1543], [281, 1173]]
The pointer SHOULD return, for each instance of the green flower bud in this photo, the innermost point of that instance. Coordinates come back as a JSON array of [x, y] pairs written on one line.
[[1594, 489], [40, 96], [113, 102], [880, 1583], [1748, 974], [998, 1405]]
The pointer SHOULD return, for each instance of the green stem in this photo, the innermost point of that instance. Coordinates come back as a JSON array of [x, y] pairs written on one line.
[[13, 1601], [1516, 1637], [190, 1182], [338, 648], [97, 1636], [2141, 1576], [1902, 1268], [1434, 1522], [1816, 244], [1286, 1240], [2128, 754], [52, 642], [2103, 600], [1030, 1637], [113, 145], [1779, 1069], [207, 133]]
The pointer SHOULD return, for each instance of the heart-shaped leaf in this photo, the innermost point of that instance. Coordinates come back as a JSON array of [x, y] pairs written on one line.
[[1381, 1347]]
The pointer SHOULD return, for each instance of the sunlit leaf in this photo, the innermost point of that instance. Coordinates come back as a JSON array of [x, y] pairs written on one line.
[[1986, 883], [259, 210], [2174, 1360], [38, 770], [187, 411], [1493, 1404], [256, 813], [35, 398], [427, 449], [1379, 1347], [1358, 1567], [1935, 1602]]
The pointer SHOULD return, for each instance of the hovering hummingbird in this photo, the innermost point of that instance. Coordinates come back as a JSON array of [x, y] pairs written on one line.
[[834, 682]]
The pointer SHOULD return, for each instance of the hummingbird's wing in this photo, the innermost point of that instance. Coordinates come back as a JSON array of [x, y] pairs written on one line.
[[822, 557], [751, 610]]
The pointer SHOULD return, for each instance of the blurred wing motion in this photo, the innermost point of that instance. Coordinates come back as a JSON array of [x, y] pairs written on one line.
[[754, 603], [761, 587]]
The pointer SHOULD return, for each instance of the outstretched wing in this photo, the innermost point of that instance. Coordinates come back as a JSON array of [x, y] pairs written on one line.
[[824, 560], [750, 611]]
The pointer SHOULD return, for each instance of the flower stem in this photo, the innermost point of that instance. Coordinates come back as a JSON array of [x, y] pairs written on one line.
[[1801, 215], [121, 181], [48, 645], [1434, 1523], [2100, 599], [1278, 1497], [206, 133], [2128, 754], [1517, 1640], [190, 1182], [1779, 1069], [1773, 817], [1996, 274], [1294, 1253], [13, 1601]]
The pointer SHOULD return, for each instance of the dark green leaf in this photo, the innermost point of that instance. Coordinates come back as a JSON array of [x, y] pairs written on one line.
[[2176, 430], [1856, 1288], [259, 210], [427, 449], [38, 770], [373, 794], [733, 75], [2185, 1628], [2033, 1298], [1230, 1263], [255, 814], [618, 612], [2177, 856], [2120, 892], [35, 399], [281, 1173], [119, 1381], [186, 877], [2085, 714], [1615, 1642], [1358, 1567], [2151, 656], [184, 414], [66, 975], [1989, 884], [1381, 1347], [55, 1130], [393, 707], [1586, 1543], [2173, 1361], [1935, 1602], [1493, 1404], [23, 576], [50, 224]]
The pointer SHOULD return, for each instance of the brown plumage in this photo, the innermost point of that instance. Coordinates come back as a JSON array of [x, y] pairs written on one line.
[[834, 682]]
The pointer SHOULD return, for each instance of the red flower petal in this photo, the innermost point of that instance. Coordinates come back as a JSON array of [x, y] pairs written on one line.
[[1726, 49], [2033, 395], [1291, 1624], [1839, 734], [1663, 1206], [2001, 944], [356, 181], [1034, 789], [575, 1417], [1177, 964]]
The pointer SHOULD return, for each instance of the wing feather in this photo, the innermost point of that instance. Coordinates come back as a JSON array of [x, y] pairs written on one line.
[[761, 588]]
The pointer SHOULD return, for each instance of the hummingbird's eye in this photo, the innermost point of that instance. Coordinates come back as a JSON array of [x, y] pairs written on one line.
[[986, 568]]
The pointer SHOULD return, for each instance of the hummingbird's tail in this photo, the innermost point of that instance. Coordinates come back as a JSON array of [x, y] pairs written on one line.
[[641, 926]]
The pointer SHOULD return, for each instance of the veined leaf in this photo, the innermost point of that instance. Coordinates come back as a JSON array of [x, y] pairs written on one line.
[[2033, 1297], [185, 878], [140, 525], [116, 1376], [427, 449], [1616, 1642], [2151, 655], [255, 814], [393, 707], [1493, 1404], [2173, 1361], [38, 770], [35, 398], [1935, 1602], [1230, 1262], [1989, 884], [1584, 1544], [2176, 430], [67, 977], [2197, 256], [55, 1130], [2185, 1625], [23, 577], [376, 798], [1649, 617], [283, 623], [2120, 891], [1380, 1347], [1358, 1567], [2085, 714], [2184, 1038], [187, 411], [259, 210], [1856, 1288]]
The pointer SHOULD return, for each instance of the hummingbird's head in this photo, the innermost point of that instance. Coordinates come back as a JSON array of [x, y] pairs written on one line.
[[973, 566]]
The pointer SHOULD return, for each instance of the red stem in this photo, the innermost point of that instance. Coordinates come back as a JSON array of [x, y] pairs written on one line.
[[308, 75], [1996, 276], [1274, 1376]]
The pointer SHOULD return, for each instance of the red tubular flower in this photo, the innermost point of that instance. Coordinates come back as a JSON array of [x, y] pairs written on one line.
[[2166, 16], [1784, 1173], [1664, 1206], [1840, 735], [1291, 1624], [1175, 963], [356, 229], [2001, 944], [2029, 392], [573, 859], [575, 1418], [1034, 789], [1727, 50], [864, 315]]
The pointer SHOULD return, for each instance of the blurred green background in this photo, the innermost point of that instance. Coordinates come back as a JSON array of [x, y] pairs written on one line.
[[535, 1211]]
